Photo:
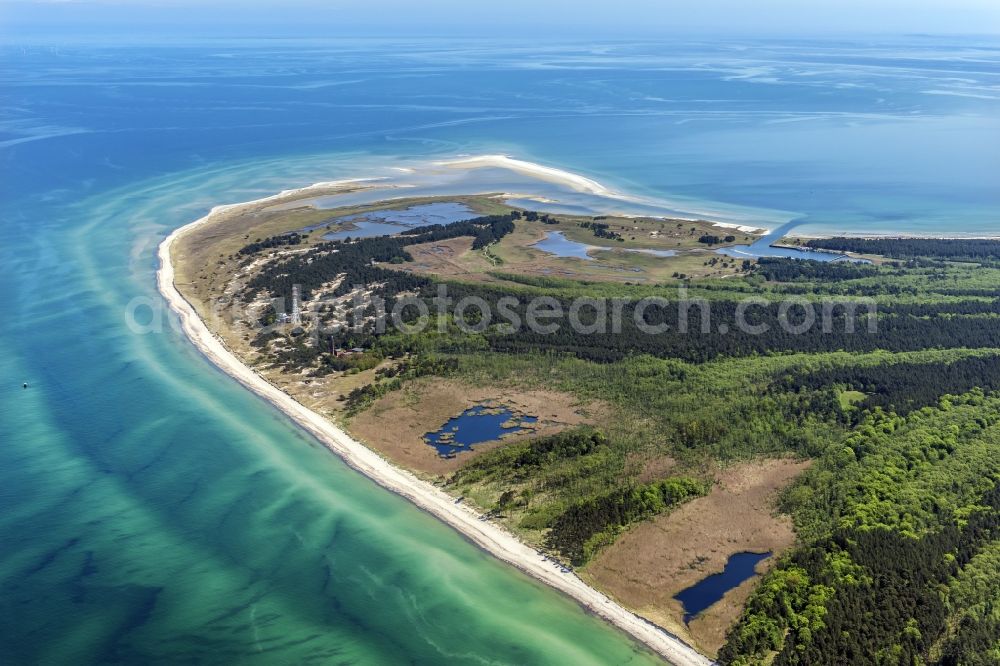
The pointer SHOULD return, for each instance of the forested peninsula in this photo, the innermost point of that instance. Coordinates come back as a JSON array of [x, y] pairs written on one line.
[[848, 408]]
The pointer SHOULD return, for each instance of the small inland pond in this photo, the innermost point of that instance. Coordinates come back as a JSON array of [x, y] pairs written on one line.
[[556, 243], [711, 589], [478, 424]]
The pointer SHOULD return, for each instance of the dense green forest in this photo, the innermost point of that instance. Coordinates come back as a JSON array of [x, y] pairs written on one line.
[[910, 248], [973, 634], [893, 396], [889, 521], [781, 269], [903, 386]]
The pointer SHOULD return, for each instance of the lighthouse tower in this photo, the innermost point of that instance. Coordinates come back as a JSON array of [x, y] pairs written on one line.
[[296, 305]]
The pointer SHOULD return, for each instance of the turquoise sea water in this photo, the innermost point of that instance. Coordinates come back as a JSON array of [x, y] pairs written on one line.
[[151, 510]]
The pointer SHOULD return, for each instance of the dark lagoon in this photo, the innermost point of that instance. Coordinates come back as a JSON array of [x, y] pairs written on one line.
[[388, 222], [712, 588], [475, 425]]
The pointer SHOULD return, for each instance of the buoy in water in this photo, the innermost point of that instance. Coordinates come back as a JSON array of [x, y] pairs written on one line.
[[24, 385]]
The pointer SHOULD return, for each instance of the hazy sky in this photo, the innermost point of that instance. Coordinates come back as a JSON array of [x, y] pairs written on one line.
[[559, 18]]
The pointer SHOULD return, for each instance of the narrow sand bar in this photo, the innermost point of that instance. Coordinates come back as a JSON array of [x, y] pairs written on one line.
[[575, 182], [487, 535]]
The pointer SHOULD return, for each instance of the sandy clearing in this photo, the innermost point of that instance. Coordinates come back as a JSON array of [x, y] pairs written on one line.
[[646, 567], [395, 425]]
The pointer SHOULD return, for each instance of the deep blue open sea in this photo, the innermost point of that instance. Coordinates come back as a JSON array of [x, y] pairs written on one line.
[[153, 511]]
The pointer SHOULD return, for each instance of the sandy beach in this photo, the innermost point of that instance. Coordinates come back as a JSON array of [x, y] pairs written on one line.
[[574, 181], [487, 535], [541, 172]]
